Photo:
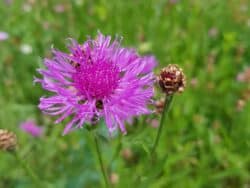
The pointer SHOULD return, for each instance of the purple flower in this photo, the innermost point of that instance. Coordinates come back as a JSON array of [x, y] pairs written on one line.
[[31, 128], [3, 36], [98, 79]]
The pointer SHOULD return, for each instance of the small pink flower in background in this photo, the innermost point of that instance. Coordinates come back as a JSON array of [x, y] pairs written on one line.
[[8, 2], [173, 1], [244, 76], [3, 36], [31, 128], [155, 123], [59, 8]]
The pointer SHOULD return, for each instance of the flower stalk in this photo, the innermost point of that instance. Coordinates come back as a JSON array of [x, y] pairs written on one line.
[[98, 151], [167, 104], [28, 170], [8, 143]]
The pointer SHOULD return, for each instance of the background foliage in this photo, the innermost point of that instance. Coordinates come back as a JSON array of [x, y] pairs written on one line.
[[205, 141]]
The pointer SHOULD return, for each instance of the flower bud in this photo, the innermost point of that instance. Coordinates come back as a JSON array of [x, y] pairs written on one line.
[[8, 140], [172, 79]]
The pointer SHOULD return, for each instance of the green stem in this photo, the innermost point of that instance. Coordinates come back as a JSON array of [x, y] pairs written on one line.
[[97, 145], [28, 170], [165, 111], [117, 150]]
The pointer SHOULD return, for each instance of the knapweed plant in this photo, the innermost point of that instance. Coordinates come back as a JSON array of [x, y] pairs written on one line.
[[100, 79]]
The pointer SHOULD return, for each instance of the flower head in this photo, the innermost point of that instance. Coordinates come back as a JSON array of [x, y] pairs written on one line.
[[172, 79], [31, 128], [8, 140], [97, 79]]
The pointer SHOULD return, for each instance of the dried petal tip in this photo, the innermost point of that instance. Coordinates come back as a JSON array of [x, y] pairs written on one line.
[[8, 140], [172, 79], [159, 105]]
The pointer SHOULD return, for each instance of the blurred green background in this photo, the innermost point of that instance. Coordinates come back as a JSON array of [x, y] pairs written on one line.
[[205, 141]]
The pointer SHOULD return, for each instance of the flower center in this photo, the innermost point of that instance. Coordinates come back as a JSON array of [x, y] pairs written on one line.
[[96, 79]]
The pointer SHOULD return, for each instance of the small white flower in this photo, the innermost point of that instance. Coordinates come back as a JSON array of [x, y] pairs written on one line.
[[79, 2], [27, 7], [248, 23], [26, 49]]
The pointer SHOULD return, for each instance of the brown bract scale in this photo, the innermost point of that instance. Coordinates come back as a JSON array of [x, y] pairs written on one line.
[[172, 79], [8, 140], [74, 64], [159, 105], [94, 119], [99, 104], [114, 178], [127, 154]]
